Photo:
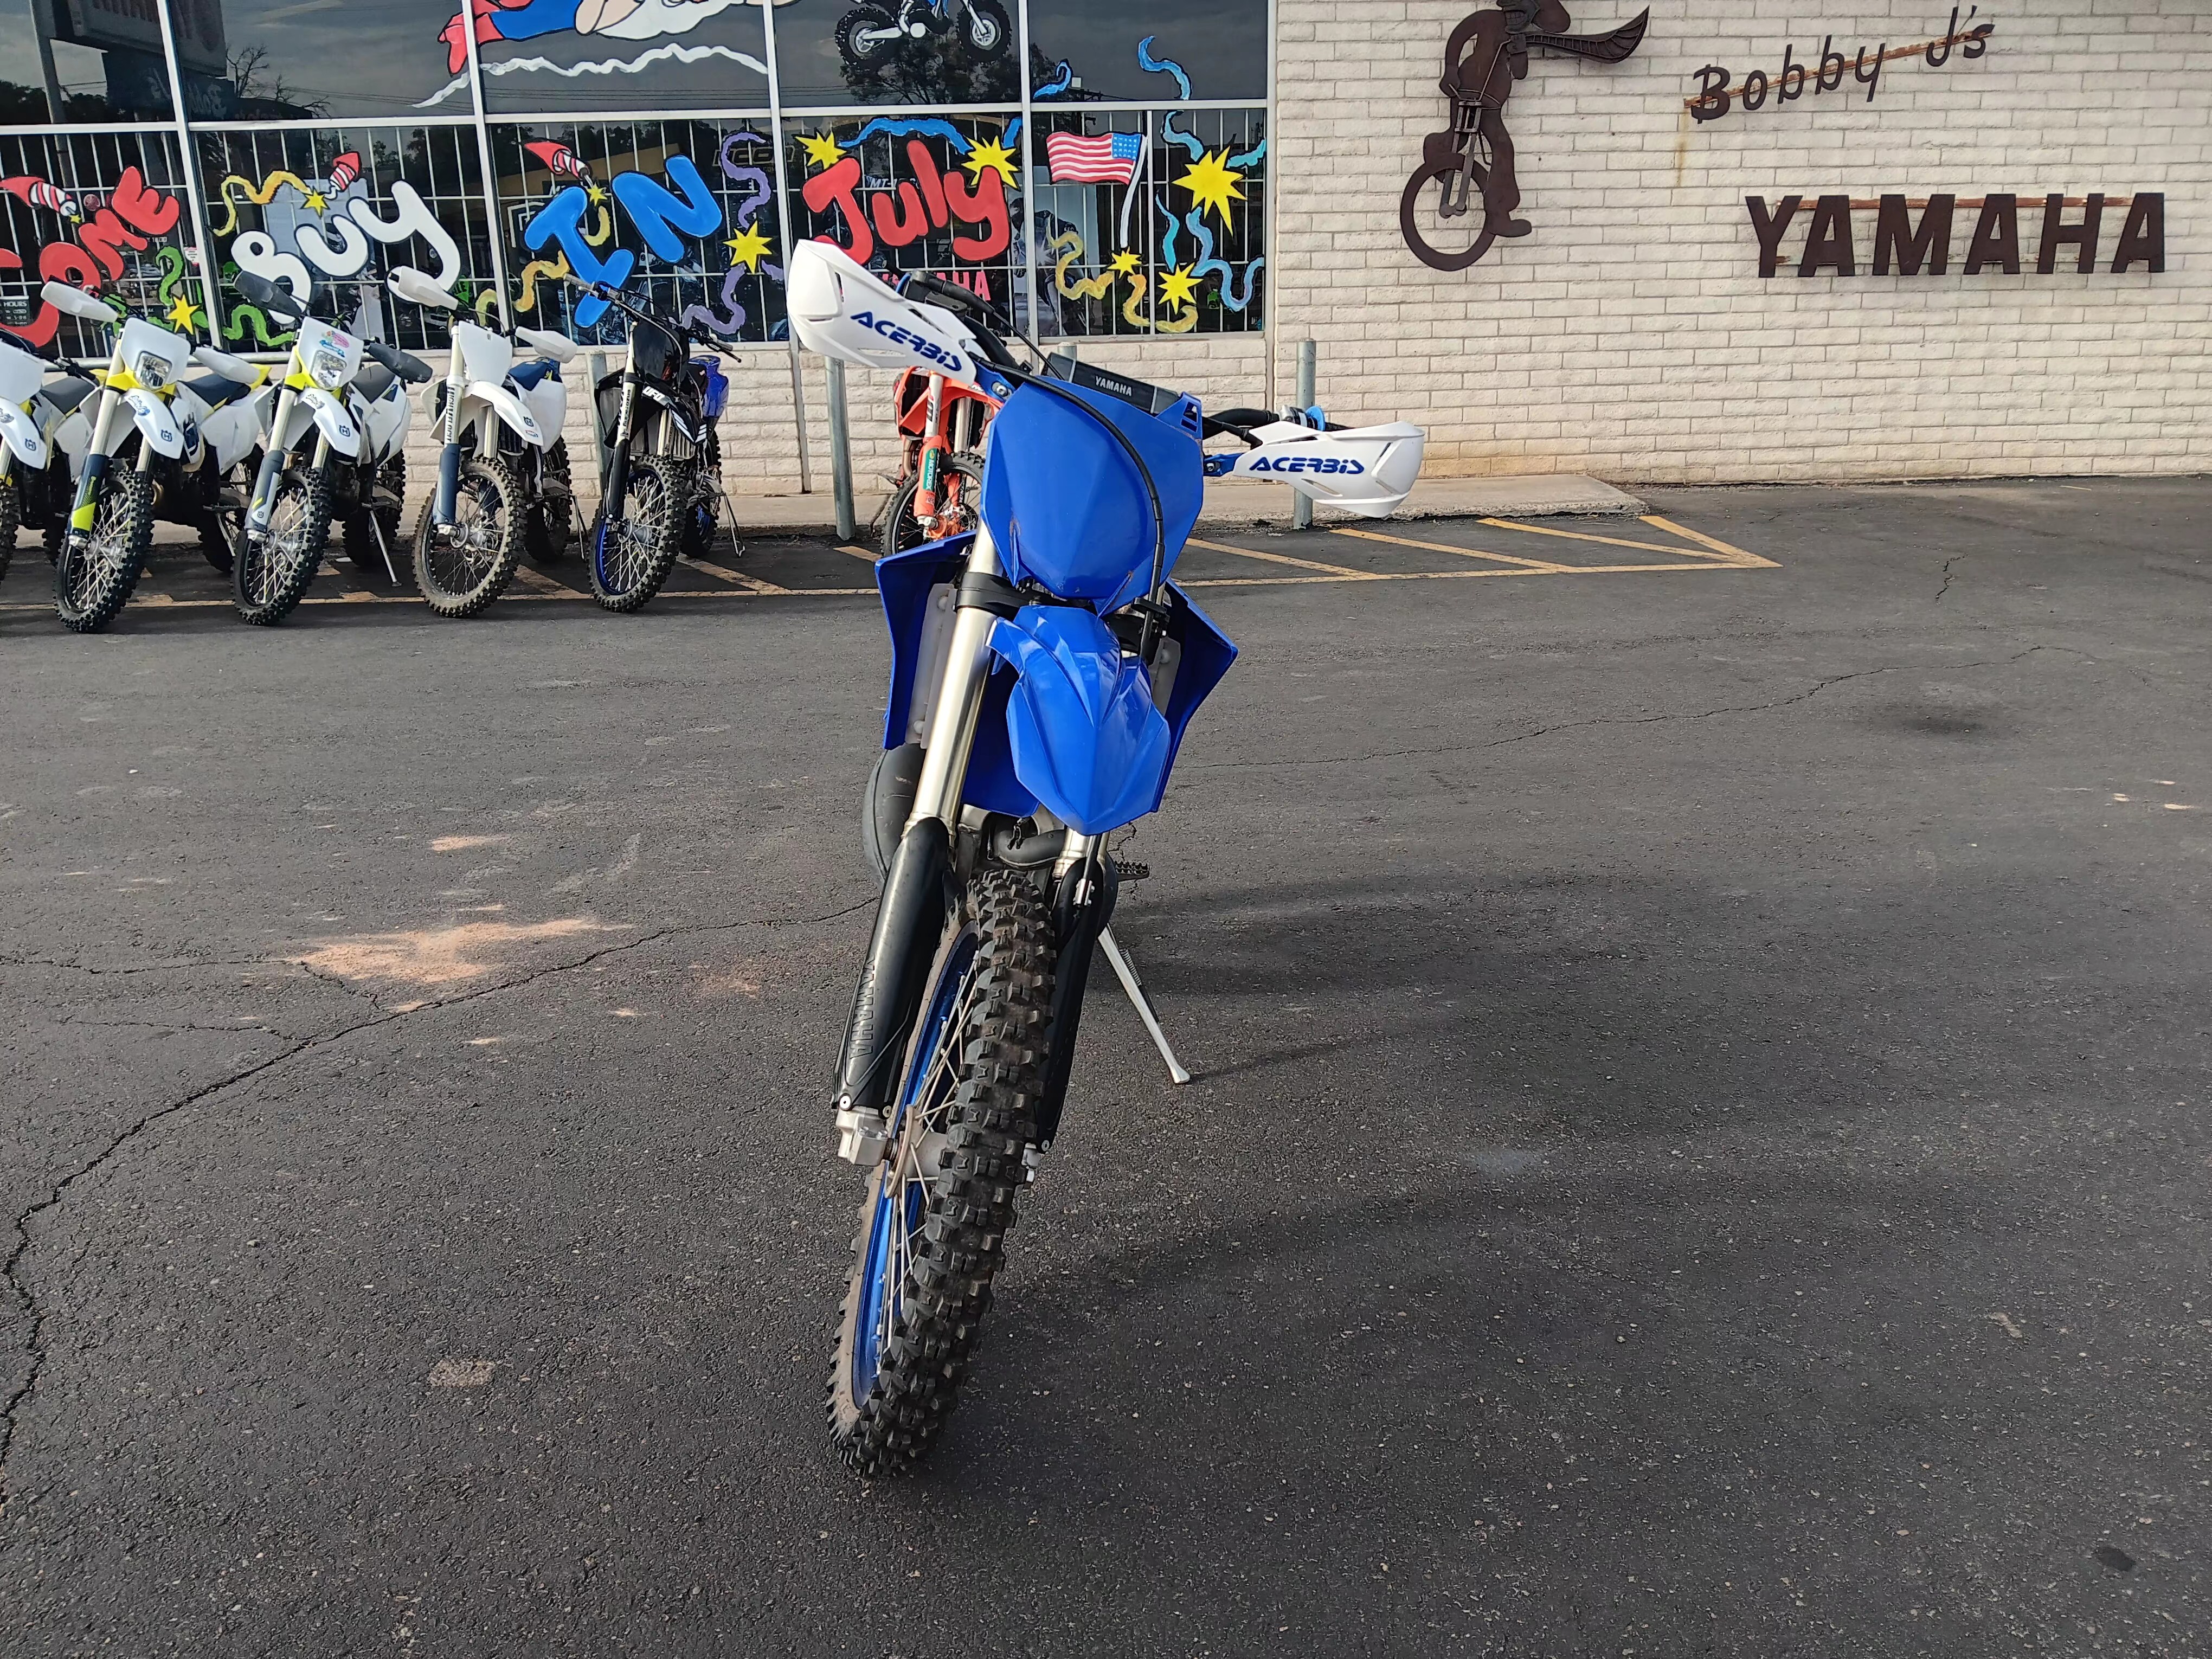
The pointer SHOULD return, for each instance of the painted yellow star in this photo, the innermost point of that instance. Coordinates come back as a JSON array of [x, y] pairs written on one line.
[[990, 153], [747, 246], [821, 148], [1124, 263], [1212, 183], [183, 313], [1178, 288], [318, 201], [593, 192]]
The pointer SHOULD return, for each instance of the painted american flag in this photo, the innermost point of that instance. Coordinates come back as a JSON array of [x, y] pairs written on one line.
[[1111, 158]]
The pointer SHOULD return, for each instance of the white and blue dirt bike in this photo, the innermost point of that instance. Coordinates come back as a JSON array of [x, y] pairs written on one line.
[[150, 445], [504, 478], [1044, 669], [868, 34], [24, 451]]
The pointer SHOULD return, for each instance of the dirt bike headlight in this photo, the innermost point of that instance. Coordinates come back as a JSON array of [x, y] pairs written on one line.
[[151, 371], [328, 369]]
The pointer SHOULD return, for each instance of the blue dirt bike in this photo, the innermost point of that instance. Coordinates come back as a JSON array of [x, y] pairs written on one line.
[[1044, 669]]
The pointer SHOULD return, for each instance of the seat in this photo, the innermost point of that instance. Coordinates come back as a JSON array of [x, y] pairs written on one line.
[[528, 374], [66, 394], [215, 391], [373, 381]]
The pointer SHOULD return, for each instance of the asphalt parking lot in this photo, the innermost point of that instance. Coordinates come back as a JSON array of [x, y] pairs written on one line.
[[1698, 1145]]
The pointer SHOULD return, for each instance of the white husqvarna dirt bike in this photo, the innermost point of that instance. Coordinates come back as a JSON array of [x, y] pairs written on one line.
[[23, 446], [167, 457], [504, 469]]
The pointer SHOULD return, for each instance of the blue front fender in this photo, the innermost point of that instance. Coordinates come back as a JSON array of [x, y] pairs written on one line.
[[1087, 740]]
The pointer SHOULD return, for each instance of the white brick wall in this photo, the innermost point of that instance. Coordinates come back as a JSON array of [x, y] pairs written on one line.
[[1631, 336]]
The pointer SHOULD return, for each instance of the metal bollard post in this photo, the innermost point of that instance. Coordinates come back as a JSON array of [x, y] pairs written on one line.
[[841, 452], [1302, 505]]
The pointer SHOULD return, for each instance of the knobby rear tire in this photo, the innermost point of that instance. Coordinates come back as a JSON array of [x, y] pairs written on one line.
[[550, 528], [11, 520], [359, 534], [89, 588], [491, 496], [995, 1048]]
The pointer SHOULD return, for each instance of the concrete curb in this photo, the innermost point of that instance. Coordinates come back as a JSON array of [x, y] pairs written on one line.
[[1236, 504]]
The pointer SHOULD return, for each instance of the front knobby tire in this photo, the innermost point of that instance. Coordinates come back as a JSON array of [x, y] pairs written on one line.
[[93, 581], [959, 505], [11, 520], [632, 551], [933, 1228], [272, 570], [462, 573]]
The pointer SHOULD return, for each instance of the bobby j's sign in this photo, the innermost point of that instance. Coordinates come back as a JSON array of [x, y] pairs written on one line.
[[1914, 238]]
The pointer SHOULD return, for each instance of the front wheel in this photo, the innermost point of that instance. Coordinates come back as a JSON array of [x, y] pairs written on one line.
[[959, 505], [933, 1228], [463, 568], [635, 541], [1444, 214], [272, 570], [11, 519], [93, 577], [867, 32]]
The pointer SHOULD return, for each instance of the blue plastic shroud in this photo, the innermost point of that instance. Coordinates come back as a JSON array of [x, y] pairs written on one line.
[[1067, 507], [1068, 721]]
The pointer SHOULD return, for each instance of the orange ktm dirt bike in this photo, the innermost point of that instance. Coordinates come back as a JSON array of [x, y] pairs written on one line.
[[939, 491]]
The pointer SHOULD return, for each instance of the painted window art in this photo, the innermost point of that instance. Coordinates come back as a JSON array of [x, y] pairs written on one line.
[[329, 212], [516, 149], [676, 214]]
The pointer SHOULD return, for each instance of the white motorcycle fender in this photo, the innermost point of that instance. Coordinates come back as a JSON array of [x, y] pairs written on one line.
[[330, 414], [1368, 470], [230, 432], [155, 424], [548, 403], [509, 407], [73, 437], [841, 309], [20, 434], [383, 422]]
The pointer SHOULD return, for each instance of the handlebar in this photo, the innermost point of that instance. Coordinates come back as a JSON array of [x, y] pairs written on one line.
[[611, 297], [984, 321], [407, 366]]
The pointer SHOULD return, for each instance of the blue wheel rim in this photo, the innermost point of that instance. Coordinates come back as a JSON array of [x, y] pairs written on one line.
[[881, 1277]]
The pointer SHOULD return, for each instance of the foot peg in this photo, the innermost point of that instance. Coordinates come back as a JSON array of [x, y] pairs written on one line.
[[862, 1136]]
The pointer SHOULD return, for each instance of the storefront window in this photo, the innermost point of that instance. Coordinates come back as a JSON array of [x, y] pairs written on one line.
[[282, 60], [66, 62], [1150, 222], [679, 216], [551, 56], [834, 54], [330, 212], [1148, 51], [106, 211]]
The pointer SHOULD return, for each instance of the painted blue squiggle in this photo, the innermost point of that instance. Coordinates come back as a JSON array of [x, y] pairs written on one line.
[[1013, 133], [1168, 241], [936, 129], [1256, 152], [1161, 65], [1189, 140], [757, 177], [1230, 296], [1062, 78]]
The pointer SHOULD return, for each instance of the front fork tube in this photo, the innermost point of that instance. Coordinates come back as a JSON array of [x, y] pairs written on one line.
[[264, 501], [618, 464], [85, 507], [442, 505], [917, 889]]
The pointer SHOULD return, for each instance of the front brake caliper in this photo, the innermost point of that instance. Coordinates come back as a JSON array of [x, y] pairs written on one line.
[[863, 1137]]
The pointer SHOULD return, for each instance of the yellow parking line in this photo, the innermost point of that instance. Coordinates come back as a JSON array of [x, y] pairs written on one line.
[[859, 553], [1608, 541], [542, 582], [753, 584], [1445, 547], [1734, 555], [1280, 558]]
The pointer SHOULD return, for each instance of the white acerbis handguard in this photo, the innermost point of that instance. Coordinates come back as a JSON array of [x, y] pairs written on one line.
[[1366, 470], [841, 309]]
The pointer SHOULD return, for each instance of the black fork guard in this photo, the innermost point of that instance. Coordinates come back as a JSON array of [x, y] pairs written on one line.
[[917, 895], [1077, 927]]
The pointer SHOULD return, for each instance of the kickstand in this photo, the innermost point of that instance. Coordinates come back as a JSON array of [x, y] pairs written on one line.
[[1127, 974], [384, 550]]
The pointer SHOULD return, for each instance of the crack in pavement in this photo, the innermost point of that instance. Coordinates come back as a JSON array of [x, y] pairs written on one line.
[[1946, 587], [34, 1339], [1638, 720]]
